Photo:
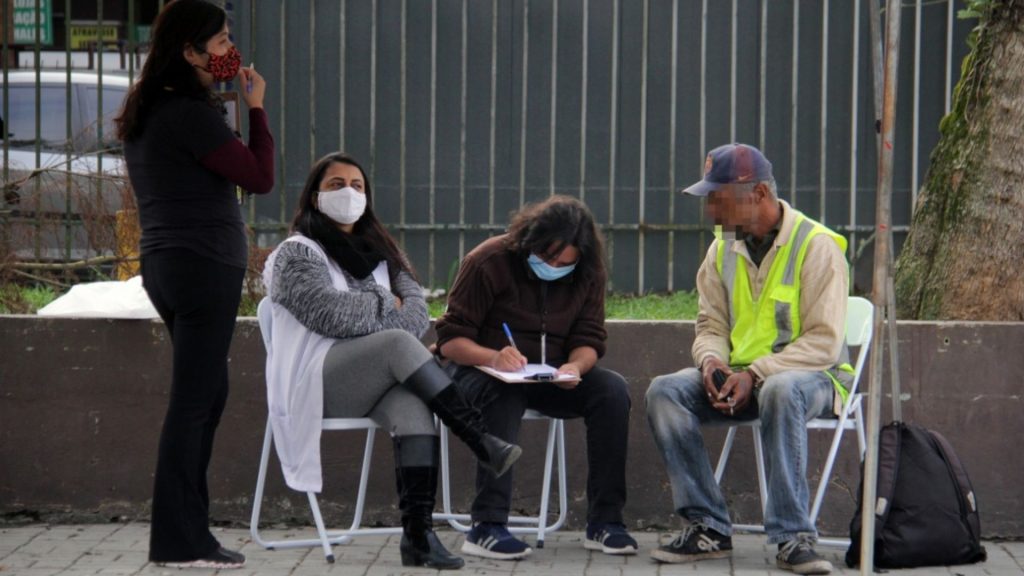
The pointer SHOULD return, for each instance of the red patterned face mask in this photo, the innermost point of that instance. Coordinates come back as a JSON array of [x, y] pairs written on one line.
[[225, 67]]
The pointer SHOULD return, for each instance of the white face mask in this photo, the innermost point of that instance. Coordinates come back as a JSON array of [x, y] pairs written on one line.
[[345, 206]]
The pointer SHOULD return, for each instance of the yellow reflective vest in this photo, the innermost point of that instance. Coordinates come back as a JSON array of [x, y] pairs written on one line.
[[767, 325]]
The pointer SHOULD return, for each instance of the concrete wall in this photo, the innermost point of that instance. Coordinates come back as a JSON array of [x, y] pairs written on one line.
[[82, 401]]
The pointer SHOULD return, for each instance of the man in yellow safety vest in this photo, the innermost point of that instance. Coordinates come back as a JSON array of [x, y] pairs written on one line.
[[769, 345]]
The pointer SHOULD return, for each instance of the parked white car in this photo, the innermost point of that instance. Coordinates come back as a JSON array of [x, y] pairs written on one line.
[[53, 134], [76, 179]]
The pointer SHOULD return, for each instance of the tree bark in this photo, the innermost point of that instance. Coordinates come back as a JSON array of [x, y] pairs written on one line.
[[963, 257]]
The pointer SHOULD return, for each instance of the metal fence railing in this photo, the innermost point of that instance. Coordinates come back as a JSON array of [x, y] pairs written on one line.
[[463, 110]]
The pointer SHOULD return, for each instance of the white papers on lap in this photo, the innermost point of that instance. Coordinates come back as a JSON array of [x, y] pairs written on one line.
[[126, 299], [530, 374]]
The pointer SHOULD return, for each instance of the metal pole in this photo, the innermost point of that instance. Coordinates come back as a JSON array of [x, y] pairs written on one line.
[[876, 56], [890, 303], [880, 284], [99, 101], [641, 237], [613, 141], [5, 227], [523, 108], [463, 93], [68, 130]]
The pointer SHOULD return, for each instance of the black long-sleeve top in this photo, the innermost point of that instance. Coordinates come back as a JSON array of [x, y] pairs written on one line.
[[184, 168]]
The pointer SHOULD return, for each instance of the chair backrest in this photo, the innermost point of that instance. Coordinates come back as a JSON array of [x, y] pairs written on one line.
[[860, 318], [265, 316]]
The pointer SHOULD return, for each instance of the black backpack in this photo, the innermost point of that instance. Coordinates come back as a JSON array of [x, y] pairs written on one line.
[[927, 514]]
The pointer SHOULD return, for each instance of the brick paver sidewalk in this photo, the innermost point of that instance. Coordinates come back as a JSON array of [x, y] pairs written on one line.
[[120, 549]]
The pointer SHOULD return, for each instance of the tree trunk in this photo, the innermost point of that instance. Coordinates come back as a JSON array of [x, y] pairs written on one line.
[[963, 258]]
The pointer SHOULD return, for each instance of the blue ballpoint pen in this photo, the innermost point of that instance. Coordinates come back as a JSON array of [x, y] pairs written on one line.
[[508, 333]]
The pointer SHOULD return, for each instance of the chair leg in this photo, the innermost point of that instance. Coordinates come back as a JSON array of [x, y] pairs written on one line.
[[723, 458], [545, 494], [454, 520], [826, 472], [319, 520], [534, 524], [257, 499], [357, 517], [861, 437], [762, 481], [563, 489], [325, 538]]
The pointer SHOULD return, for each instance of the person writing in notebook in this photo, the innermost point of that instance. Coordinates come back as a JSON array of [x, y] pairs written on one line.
[[545, 279]]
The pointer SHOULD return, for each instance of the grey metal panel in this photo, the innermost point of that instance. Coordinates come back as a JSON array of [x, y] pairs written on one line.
[[748, 63], [297, 78], [266, 46], [357, 84], [455, 107], [387, 130], [327, 69], [527, 162], [569, 96], [448, 136]]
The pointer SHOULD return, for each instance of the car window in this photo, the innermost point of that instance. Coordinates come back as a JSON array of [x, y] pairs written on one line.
[[113, 97], [21, 124]]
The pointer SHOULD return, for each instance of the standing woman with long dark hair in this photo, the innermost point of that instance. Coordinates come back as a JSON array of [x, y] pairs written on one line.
[[184, 163]]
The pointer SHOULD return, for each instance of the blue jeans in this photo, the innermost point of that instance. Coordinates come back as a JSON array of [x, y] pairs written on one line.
[[677, 405]]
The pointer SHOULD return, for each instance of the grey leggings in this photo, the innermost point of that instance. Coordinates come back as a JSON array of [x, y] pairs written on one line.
[[362, 378]]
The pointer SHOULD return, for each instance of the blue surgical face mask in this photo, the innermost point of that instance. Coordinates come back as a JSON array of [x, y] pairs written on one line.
[[545, 271]]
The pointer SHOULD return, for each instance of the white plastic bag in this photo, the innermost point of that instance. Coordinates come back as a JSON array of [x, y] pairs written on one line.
[[126, 299]]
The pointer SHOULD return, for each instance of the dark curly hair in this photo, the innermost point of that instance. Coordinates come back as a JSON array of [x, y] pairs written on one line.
[[546, 228]]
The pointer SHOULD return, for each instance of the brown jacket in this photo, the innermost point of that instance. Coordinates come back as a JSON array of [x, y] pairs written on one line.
[[495, 285]]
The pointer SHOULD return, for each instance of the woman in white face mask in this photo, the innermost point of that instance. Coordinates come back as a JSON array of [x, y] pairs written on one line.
[[348, 315]]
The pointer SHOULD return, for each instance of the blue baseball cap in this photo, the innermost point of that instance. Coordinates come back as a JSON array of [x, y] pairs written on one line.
[[730, 164]]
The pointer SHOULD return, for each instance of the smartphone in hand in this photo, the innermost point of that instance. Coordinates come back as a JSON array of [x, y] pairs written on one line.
[[719, 377]]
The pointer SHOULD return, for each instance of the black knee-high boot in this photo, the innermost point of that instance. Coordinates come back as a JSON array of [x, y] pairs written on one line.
[[416, 461], [435, 387]]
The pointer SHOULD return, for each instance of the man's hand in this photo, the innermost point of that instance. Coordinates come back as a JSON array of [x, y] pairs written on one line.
[[508, 359], [735, 394], [568, 369], [708, 370]]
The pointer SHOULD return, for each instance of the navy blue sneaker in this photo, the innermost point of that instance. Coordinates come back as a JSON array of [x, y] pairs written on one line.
[[610, 538], [696, 542], [491, 540]]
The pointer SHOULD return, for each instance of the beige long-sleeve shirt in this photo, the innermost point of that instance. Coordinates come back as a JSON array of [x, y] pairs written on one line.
[[824, 282]]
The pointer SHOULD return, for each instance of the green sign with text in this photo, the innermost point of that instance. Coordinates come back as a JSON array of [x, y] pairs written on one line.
[[26, 24]]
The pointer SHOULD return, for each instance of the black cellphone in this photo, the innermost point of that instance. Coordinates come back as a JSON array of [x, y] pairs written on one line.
[[719, 377], [542, 376]]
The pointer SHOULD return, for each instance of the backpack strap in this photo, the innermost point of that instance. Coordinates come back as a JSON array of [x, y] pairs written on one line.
[[889, 441], [956, 470]]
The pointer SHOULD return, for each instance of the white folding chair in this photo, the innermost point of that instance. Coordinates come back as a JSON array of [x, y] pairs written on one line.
[[859, 325], [526, 524], [326, 538]]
